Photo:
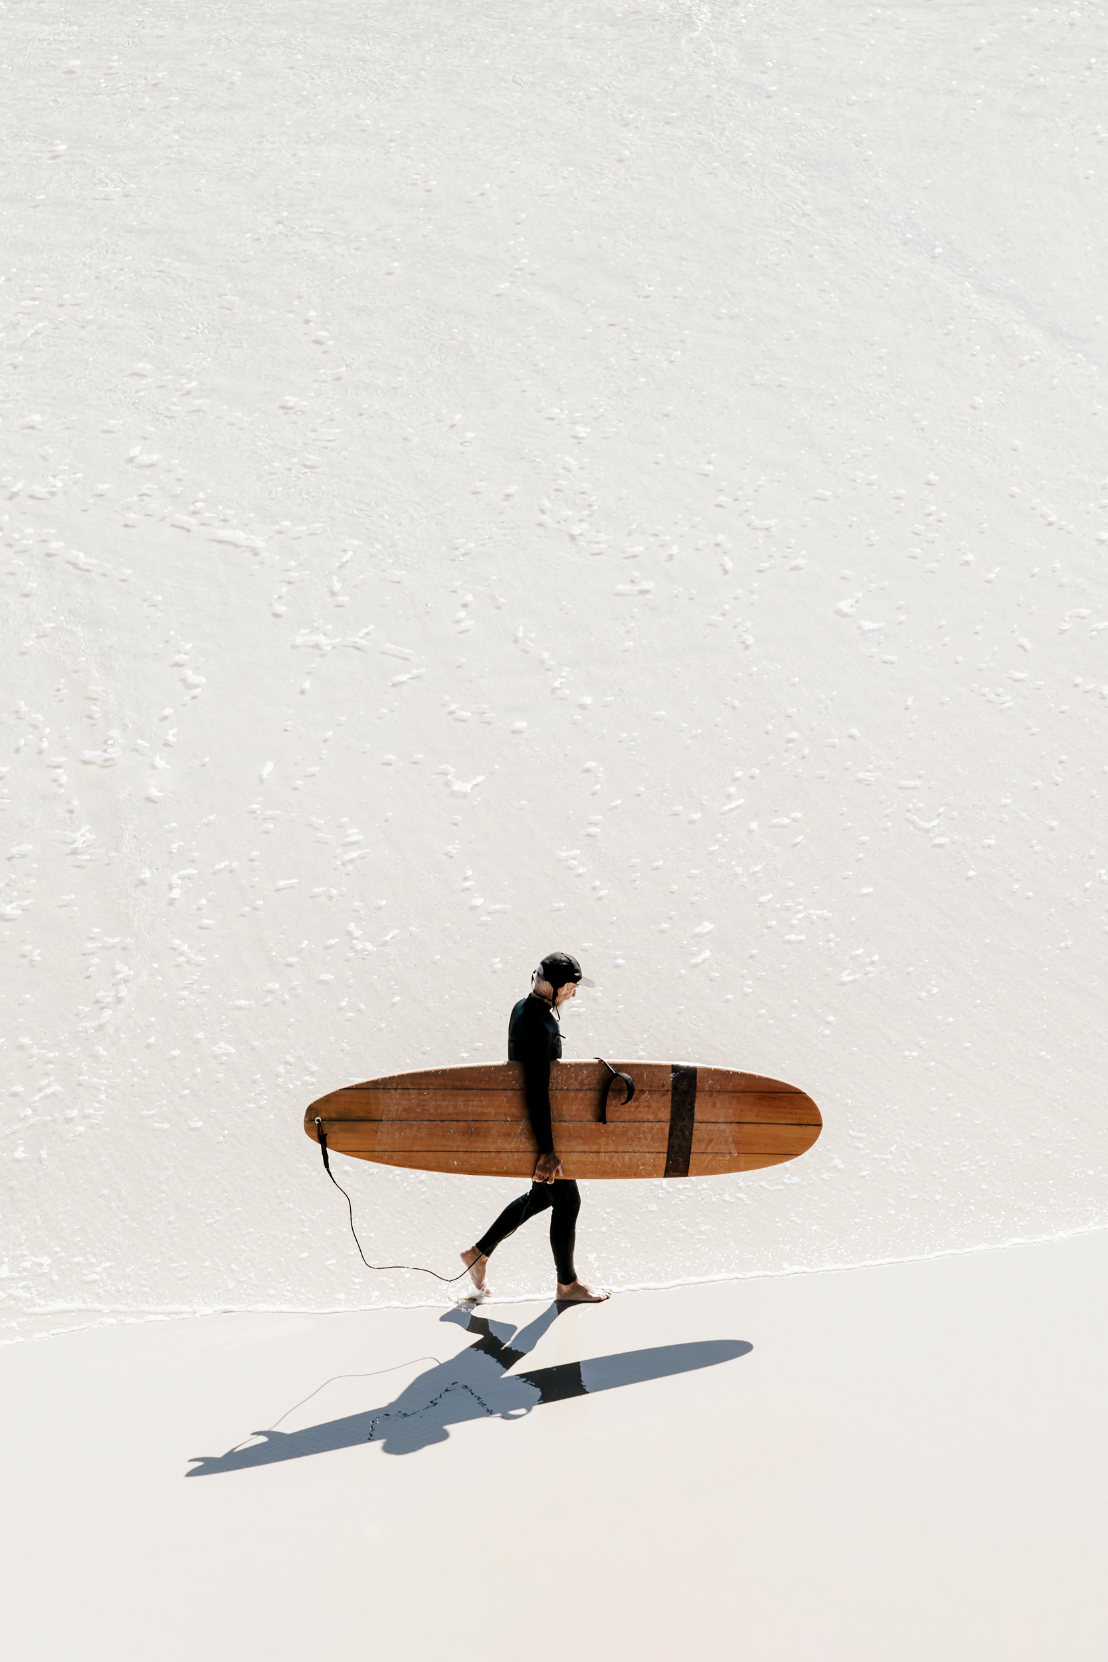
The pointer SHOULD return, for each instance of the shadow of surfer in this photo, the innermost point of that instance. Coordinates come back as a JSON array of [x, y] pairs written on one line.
[[474, 1385]]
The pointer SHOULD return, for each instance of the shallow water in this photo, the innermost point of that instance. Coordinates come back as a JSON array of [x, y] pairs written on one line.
[[629, 482]]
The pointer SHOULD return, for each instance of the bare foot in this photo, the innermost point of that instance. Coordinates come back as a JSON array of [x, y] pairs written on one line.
[[475, 1263], [575, 1292]]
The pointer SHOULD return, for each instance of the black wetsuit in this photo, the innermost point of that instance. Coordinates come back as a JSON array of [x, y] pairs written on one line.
[[535, 1039]]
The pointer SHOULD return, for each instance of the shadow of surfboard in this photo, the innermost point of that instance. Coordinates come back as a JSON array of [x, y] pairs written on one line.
[[474, 1385]]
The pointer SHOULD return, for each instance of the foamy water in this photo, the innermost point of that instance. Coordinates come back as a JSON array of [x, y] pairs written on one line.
[[472, 484]]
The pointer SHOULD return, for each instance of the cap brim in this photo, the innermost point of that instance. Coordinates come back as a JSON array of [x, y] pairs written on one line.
[[585, 982]]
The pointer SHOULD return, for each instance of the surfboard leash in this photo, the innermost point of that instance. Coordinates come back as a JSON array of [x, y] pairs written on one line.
[[448, 1280]]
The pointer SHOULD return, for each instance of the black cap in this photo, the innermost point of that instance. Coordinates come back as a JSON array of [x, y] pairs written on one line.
[[559, 967]]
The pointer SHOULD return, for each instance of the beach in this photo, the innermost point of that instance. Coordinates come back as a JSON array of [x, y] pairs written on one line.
[[898, 1460], [617, 479]]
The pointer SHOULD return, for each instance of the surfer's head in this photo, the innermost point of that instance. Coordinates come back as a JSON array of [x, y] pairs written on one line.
[[558, 978]]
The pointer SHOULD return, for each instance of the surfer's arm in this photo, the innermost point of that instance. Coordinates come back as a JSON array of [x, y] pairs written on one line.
[[536, 1073]]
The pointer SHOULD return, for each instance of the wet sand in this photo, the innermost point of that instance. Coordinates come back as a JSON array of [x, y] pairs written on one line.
[[902, 1461]]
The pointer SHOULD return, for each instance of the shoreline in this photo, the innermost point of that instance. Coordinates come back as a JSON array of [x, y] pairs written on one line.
[[122, 1317]]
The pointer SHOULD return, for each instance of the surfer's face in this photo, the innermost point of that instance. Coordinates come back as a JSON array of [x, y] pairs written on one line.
[[568, 991]]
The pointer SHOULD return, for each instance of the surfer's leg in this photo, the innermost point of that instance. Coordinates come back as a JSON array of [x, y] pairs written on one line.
[[537, 1199], [563, 1233], [565, 1204]]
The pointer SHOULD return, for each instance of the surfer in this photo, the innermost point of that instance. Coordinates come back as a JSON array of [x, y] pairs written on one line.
[[534, 1038]]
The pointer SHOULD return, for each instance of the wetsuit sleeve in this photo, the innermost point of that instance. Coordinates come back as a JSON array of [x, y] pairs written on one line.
[[533, 1050]]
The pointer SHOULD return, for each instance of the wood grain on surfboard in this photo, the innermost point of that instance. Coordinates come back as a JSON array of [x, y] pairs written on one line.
[[682, 1121]]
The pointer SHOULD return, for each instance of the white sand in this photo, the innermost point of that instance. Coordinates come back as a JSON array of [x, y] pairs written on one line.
[[910, 1462], [476, 480]]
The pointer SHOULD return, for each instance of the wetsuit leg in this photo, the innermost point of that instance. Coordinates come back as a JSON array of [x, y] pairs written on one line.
[[537, 1199], [564, 1199], [565, 1203]]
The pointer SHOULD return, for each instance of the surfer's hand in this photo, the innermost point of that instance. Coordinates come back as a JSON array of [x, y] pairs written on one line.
[[547, 1168]]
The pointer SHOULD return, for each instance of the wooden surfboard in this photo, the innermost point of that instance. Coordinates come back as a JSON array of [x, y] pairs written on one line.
[[681, 1122]]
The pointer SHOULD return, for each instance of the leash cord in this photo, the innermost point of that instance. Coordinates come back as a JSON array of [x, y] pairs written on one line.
[[449, 1280]]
